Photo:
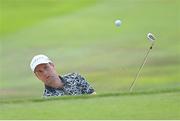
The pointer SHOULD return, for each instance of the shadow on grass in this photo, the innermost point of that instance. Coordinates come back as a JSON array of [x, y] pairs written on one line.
[[89, 96]]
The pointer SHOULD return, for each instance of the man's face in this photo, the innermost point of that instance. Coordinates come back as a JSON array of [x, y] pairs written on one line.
[[46, 73]]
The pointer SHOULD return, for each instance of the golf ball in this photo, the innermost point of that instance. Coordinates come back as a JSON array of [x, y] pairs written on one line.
[[118, 23]]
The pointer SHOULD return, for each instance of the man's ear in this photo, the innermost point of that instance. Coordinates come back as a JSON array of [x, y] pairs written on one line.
[[36, 74]]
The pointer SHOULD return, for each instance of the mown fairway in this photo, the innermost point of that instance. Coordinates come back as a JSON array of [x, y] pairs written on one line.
[[80, 36]]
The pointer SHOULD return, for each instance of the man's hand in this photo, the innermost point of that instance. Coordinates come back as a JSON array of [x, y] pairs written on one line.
[[93, 93]]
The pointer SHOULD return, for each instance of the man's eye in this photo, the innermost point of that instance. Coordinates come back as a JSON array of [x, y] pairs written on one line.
[[46, 67]]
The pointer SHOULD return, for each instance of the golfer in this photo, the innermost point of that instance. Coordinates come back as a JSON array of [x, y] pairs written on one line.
[[55, 84]]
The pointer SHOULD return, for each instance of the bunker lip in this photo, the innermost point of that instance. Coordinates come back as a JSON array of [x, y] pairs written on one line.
[[38, 100]]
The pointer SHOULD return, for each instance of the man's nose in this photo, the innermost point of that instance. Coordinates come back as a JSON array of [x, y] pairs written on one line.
[[45, 73]]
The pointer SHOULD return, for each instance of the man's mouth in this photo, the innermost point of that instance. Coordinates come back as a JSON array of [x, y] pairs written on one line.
[[50, 78], [47, 77]]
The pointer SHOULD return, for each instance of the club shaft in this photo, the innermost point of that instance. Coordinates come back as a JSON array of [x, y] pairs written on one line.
[[137, 75]]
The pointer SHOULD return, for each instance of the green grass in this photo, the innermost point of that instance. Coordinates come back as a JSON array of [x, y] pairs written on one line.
[[80, 36], [140, 105], [18, 14]]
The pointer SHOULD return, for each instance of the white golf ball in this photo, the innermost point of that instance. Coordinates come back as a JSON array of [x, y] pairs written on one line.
[[118, 23]]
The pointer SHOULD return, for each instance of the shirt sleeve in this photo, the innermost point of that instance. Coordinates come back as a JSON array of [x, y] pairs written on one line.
[[86, 88]]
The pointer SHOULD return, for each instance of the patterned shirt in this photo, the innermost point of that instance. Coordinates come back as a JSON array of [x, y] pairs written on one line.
[[74, 84]]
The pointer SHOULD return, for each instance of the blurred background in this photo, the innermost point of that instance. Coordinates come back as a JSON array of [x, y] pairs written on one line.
[[80, 36]]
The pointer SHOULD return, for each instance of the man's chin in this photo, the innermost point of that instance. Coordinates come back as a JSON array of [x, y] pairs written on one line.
[[49, 82]]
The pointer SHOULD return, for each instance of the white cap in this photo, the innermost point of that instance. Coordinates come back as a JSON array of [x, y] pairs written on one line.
[[39, 59]]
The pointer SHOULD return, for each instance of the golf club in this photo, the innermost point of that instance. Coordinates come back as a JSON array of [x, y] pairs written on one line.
[[151, 38]]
